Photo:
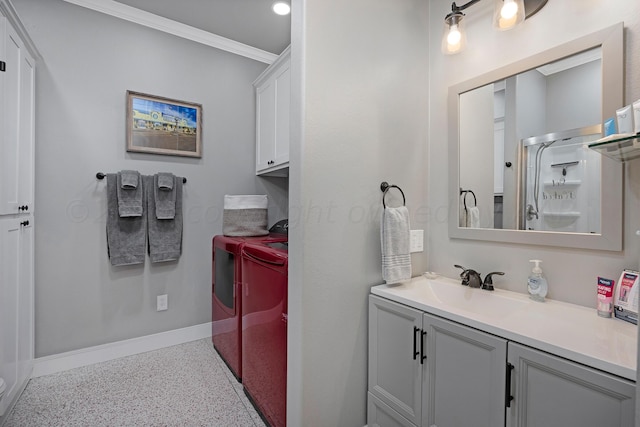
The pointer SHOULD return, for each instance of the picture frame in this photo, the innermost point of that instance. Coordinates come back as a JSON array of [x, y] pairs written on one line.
[[165, 126]]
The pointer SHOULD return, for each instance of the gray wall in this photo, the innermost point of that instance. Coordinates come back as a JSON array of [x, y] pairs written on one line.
[[89, 60], [360, 78], [477, 153]]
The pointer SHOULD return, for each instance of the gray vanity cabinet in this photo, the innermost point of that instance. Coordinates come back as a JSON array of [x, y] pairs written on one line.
[[465, 379], [427, 371], [395, 371], [553, 392]]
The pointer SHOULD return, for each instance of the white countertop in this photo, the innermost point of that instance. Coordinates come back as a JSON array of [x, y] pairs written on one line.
[[571, 331]]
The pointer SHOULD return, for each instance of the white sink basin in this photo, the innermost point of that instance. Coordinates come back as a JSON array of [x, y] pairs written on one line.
[[495, 304]]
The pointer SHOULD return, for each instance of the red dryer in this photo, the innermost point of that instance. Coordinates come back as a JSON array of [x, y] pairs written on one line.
[[226, 287], [264, 328]]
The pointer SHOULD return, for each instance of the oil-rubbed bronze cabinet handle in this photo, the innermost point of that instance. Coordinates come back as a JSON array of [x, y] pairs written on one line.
[[508, 397]]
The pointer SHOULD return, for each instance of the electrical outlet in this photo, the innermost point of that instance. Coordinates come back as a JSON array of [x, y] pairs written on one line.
[[416, 241], [162, 302]]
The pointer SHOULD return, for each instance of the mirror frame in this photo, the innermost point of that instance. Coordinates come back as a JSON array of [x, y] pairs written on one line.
[[611, 41]]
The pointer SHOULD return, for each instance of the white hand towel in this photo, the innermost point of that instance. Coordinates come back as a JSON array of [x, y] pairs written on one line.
[[473, 217], [394, 236]]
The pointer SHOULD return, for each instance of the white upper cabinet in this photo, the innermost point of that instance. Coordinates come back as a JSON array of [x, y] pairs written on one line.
[[16, 120], [273, 99]]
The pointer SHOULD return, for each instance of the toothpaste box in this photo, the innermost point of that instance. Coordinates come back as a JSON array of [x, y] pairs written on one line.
[[626, 296], [605, 297]]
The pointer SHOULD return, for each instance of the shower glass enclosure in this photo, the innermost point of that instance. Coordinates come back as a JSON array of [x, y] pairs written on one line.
[[560, 182]]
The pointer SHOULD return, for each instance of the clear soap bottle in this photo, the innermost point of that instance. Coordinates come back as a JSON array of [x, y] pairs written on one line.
[[536, 283]]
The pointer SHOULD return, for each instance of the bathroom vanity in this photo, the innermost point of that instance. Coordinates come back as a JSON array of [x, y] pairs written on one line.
[[442, 354]]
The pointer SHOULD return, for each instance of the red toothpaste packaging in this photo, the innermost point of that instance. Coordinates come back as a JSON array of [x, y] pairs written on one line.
[[605, 297]]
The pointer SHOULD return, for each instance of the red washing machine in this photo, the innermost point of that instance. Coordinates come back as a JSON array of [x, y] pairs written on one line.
[[226, 288], [264, 329]]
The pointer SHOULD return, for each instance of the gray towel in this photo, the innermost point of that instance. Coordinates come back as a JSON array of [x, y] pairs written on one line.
[[165, 195], [165, 181], [165, 235], [126, 236], [129, 193], [394, 236]]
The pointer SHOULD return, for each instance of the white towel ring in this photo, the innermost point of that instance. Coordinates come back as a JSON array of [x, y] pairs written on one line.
[[384, 186]]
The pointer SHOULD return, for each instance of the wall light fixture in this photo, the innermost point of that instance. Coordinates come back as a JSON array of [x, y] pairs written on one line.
[[507, 14]]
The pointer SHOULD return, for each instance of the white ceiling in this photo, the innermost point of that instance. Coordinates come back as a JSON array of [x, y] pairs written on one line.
[[251, 22]]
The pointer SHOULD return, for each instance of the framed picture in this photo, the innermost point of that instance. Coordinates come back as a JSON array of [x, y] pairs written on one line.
[[163, 126]]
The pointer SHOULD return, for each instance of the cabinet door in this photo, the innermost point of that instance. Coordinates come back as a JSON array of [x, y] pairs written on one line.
[[550, 391], [9, 267], [395, 369], [273, 109], [25, 292], [17, 111], [466, 371], [283, 101], [265, 124], [9, 166], [26, 132], [16, 306]]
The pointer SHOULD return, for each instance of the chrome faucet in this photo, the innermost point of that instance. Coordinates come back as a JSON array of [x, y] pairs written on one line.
[[469, 277]]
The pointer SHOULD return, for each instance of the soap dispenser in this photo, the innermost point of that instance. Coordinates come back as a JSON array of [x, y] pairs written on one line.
[[537, 284]]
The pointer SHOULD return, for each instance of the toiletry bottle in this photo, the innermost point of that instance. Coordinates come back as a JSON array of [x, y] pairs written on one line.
[[537, 284]]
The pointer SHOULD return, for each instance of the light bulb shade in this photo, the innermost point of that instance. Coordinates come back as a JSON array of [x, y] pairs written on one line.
[[454, 37], [507, 14]]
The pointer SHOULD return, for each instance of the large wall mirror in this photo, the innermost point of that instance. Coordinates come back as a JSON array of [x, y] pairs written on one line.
[[519, 163]]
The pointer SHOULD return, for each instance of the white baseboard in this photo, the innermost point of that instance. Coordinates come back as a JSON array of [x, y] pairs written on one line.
[[102, 353]]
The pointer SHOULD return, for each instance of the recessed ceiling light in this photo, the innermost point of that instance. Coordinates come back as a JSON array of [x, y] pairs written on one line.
[[281, 8]]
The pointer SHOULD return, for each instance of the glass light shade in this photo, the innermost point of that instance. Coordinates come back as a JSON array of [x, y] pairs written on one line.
[[454, 37], [281, 8], [508, 14]]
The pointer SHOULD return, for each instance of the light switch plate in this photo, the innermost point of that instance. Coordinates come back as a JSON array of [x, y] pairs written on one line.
[[162, 302], [416, 241]]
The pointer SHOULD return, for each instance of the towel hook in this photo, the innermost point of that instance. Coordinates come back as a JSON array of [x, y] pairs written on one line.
[[384, 187]]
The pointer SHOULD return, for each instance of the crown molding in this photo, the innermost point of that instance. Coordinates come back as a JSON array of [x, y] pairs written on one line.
[[7, 9], [132, 14]]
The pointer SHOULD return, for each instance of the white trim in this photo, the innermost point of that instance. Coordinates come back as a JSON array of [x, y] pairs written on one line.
[[102, 353], [7, 9], [132, 14]]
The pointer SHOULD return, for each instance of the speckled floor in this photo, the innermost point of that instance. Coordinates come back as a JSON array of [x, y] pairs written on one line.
[[183, 385]]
